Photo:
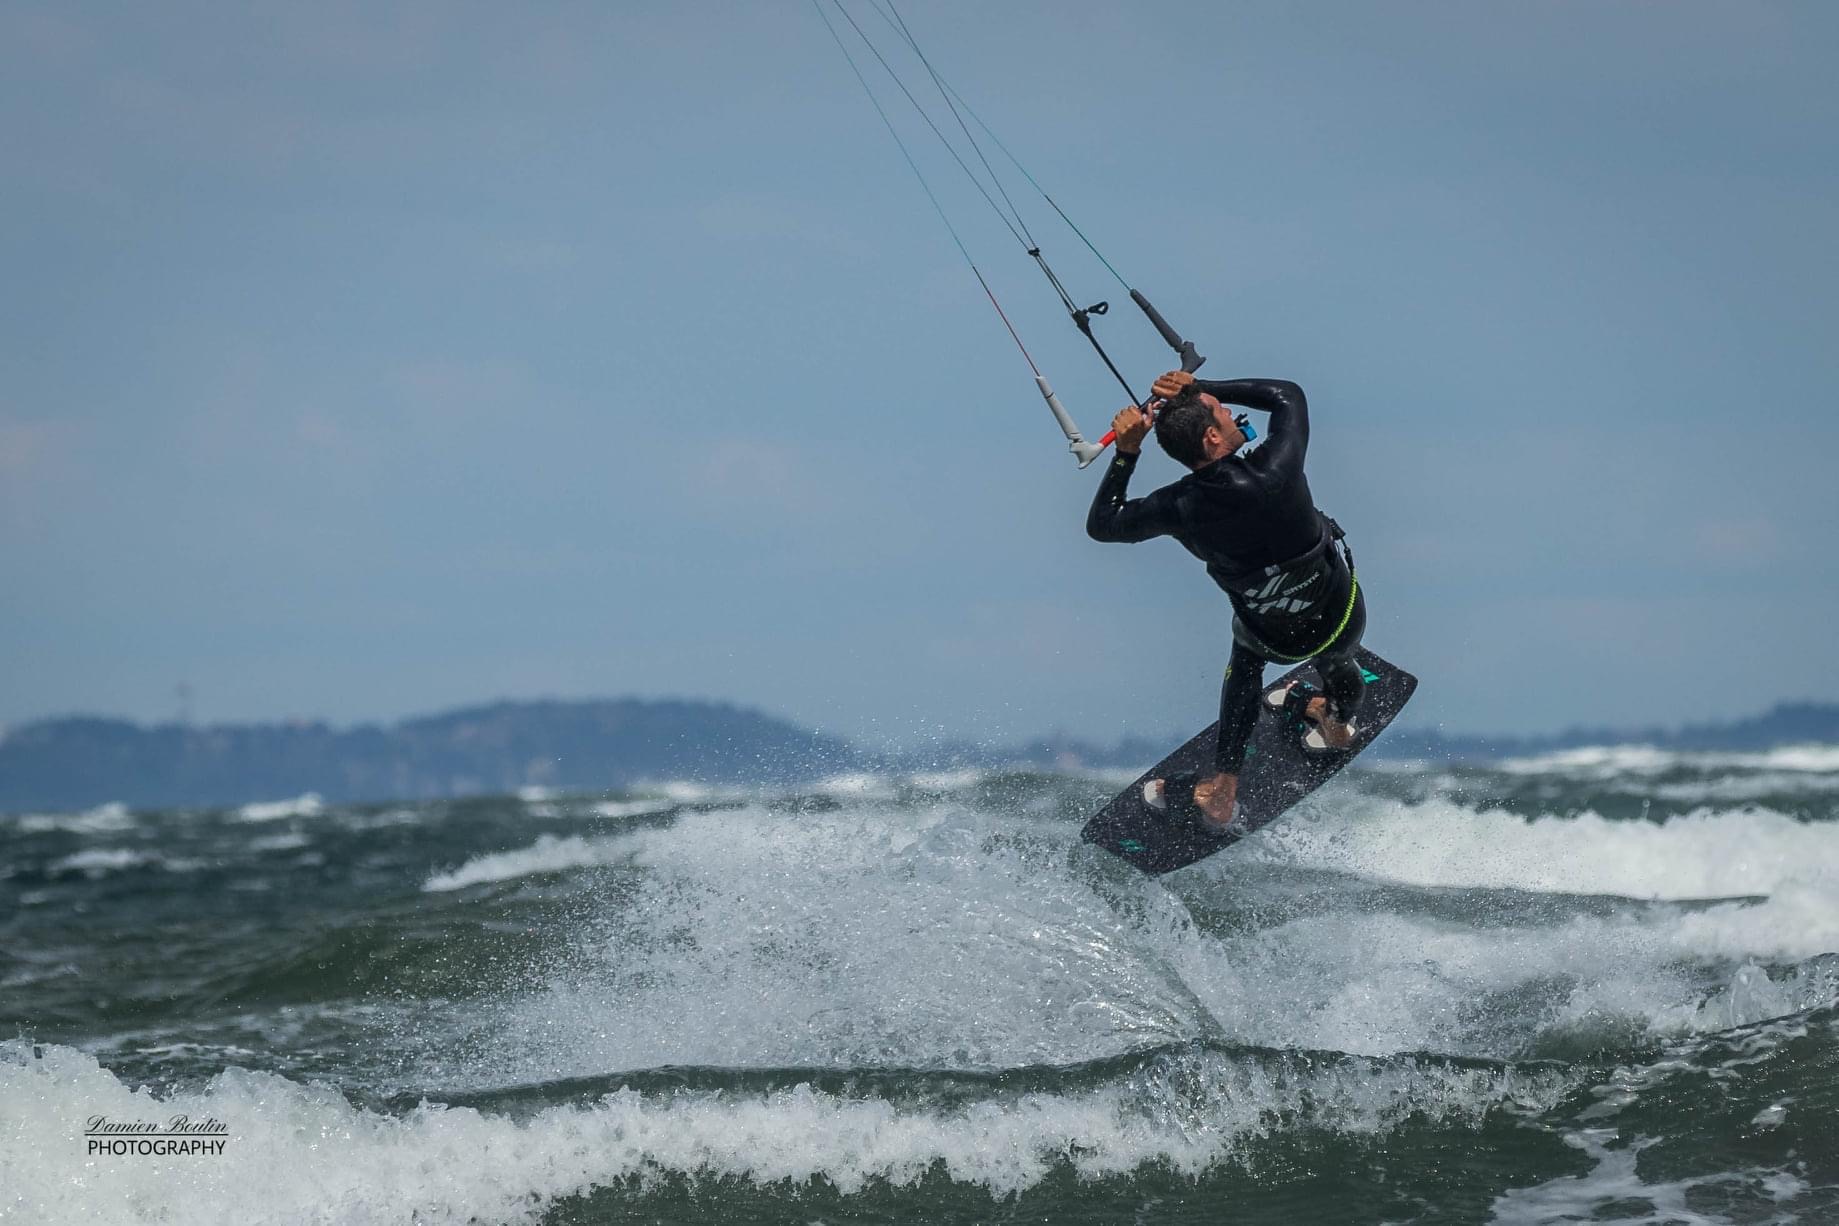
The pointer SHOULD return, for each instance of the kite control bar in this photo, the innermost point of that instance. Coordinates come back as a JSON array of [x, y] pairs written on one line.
[[1191, 361]]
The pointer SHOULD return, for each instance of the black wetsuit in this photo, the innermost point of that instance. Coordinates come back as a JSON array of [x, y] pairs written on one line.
[[1252, 520]]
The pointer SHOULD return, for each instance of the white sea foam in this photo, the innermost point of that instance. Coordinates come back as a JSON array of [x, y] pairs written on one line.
[[291, 841], [1801, 758], [1343, 976], [1400, 766], [1753, 996], [308, 805], [686, 792], [1800, 919], [924, 937], [630, 808], [1596, 760], [386, 818], [1708, 853], [856, 786], [101, 861], [943, 936], [948, 781], [111, 818], [1609, 761], [1614, 1188], [301, 1154], [1356, 981], [1738, 787], [548, 854]]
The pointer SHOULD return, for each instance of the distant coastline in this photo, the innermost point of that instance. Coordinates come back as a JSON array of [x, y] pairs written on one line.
[[80, 762], [1786, 723]]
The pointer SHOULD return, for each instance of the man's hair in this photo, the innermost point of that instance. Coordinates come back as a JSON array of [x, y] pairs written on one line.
[[1181, 426]]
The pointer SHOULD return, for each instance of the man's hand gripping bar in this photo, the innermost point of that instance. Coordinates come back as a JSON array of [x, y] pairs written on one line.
[[1191, 361]]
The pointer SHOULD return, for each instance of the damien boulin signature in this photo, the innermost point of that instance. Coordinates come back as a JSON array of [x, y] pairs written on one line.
[[179, 1134]]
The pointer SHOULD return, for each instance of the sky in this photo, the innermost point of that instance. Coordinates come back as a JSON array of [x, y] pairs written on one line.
[[363, 360]]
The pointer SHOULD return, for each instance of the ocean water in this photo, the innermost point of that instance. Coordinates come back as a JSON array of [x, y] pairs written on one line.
[[1600, 985]]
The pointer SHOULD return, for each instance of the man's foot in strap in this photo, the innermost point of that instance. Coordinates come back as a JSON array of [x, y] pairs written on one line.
[[1320, 730], [1208, 802]]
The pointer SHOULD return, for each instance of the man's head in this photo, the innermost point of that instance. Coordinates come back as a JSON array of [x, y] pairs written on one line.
[[1196, 430]]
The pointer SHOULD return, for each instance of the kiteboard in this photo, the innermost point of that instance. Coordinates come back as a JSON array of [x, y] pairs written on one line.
[[1278, 772]]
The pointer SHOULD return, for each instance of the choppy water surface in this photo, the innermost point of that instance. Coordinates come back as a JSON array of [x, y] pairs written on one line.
[[1593, 986]]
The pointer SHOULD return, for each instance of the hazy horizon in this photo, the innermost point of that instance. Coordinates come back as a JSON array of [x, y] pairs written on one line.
[[890, 741]]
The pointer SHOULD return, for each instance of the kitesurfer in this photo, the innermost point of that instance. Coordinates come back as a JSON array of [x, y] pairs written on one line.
[[1252, 520]]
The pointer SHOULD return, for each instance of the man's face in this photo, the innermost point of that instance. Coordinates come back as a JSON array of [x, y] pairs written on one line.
[[1231, 437]]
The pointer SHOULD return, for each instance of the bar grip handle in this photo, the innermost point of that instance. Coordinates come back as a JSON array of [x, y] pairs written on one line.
[[1191, 360]]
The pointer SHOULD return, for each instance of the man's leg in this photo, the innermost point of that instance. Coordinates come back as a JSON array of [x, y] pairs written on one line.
[[1216, 795], [1343, 681], [1345, 685], [1239, 694]]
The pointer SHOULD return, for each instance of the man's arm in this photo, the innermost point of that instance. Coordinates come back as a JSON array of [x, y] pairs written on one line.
[[1115, 516], [1283, 400]]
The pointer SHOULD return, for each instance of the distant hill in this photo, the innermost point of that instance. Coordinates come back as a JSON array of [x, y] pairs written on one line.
[[571, 746], [590, 746], [1787, 723]]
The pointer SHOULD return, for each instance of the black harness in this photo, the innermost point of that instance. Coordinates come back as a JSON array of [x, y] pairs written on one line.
[[1297, 586]]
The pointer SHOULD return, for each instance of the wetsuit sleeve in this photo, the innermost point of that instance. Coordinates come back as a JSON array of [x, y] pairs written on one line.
[[1283, 400], [1114, 517]]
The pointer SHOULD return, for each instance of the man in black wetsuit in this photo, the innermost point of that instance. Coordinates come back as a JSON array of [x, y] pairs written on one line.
[[1252, 520]]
